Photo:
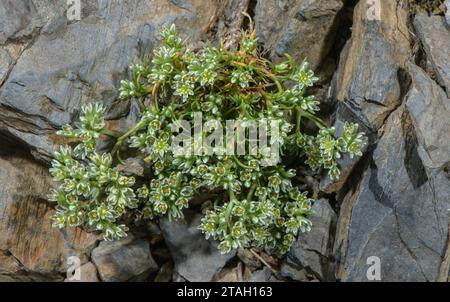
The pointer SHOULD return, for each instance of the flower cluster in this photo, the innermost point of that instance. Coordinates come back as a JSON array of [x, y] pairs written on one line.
[[166, 195], [92, 193], [270, 220], [136, 87], [87, 130], [324, 149], [249, 203]]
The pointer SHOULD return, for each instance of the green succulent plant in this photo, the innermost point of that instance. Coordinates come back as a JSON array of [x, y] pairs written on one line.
[[252, 204], [429, 6]]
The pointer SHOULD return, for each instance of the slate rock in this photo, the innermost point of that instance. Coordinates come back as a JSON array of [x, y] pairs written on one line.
[[261, 275], [126, 260], [196, 259], [429, 108], [397, 213], [370, 79], [58, 68], [26, 233], [301, 28], [312, 249], [434, 34]]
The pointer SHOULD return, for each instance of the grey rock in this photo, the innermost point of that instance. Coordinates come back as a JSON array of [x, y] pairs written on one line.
[[429, 109], [300, 28], [125, 260], [370, 78], [312, 249], [434, 34], [132, 166], [248, 258], [5, 64], [20, 19], [60, 68], [292, 272], [196, 259], [177, 277], [262, 275], [152, 228], [397, 213]]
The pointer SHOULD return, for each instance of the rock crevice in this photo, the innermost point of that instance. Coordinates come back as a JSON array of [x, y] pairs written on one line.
[[391, 76]]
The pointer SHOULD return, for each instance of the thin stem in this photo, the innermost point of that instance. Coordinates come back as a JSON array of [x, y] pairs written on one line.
[[111, 133], [286, 107], [263, 261], [115, 151], [240, 163], [229, 111], [229, 209], [251, 191], [297, 122], [155, 93], [319, 123], [272, 77]]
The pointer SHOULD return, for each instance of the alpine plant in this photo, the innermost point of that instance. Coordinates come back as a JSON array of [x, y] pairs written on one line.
[[251, 204]]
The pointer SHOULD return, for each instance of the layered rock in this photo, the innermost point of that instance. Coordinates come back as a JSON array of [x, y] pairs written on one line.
[[371, 79], [395, 205], [51, 66], [311, 253], [393, 78], [435, 37], [301, 28], [371, 71], [196, 259], [125, 260], [429, 109], [397, 212], [30, 248]]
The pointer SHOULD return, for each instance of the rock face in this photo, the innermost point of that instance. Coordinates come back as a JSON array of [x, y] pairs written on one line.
[[398, 212], [196, 259], [30, 248], [395, 206], [312, 250], [427, 104], [50, 66], [124, 260], [435, 37], [299, 27], [392, 77], [370, 75]]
